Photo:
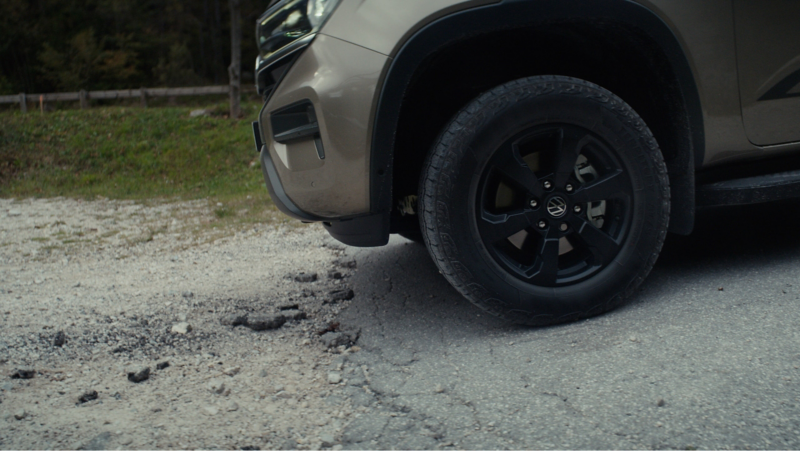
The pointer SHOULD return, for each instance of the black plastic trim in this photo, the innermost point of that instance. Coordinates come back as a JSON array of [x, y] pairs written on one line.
[[257, 136], [505, 15], [364, 231], [750, 190], [294, 122], [298, 133]]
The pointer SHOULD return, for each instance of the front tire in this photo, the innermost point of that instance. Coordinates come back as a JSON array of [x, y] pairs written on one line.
[[545, 200]]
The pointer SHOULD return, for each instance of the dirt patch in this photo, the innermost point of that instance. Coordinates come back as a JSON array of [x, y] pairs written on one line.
[[93, 291]]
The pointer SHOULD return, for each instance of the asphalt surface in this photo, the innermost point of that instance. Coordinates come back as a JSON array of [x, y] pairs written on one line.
[[705, 356]]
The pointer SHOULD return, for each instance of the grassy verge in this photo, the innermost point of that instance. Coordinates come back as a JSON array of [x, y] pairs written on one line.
[[139, 154]]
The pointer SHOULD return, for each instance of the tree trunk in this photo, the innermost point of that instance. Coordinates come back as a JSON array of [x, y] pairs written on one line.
[[235, 69]]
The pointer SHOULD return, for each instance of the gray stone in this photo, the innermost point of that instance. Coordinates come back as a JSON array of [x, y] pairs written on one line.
[[265, 322], [14, 212], [181, 328], [350, 264], [210, 410], [217, 386], [162, 365], [232, 371], [99, 442], [140, 374], [263, 373], [305, 278], [198, 113], [334, 339], [233, 320], [232, 407], [351, 333], [188, 294], [327, 440], [340, 295], [334, 274], [334, 377], [89, 395], [59, 339], [20, 414], [23, 373]]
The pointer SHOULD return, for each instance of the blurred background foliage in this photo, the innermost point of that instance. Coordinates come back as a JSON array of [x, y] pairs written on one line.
[[68, 45]]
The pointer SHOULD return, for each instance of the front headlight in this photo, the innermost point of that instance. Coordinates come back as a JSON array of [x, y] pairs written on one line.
[[290, 20]]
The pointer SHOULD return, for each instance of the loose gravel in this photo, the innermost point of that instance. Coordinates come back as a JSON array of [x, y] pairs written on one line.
[[143, 326]]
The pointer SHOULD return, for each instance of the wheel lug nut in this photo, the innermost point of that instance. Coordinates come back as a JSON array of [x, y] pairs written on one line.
[[577, 209], [569, 188], [547, 184], [542, 224], [564, 226], [533, 203]]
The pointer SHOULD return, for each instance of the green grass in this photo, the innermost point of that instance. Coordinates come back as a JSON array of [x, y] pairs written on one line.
[[135, 153], [127, 153]]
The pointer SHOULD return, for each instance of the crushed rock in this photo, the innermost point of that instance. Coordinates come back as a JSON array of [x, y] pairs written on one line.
[[139, 374], [24, 373], [305, 278], [89, 395], [114, 276], [181, 328]]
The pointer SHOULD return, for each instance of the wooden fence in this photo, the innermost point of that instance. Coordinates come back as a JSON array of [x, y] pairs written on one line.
[[84, 96]]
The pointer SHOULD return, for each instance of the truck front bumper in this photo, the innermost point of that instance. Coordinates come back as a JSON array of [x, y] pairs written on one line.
[[315, 130]]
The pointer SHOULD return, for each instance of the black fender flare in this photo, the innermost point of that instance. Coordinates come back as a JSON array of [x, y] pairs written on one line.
[[507, 14]]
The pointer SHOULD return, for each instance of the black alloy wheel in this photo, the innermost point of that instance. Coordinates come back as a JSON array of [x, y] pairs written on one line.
[[545, 200], [548, 218]]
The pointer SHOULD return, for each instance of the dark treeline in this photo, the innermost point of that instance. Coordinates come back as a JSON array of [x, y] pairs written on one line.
[[68, 45]]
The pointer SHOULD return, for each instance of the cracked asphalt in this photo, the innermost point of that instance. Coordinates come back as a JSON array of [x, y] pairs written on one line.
[[705, 356]]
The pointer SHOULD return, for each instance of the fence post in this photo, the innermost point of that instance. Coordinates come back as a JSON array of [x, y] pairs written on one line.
[[23, 102], [41, 103], [82, 97], [143, 95]]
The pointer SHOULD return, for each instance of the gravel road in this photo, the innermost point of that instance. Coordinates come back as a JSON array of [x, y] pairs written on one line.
[[126, 286], [706, 356]]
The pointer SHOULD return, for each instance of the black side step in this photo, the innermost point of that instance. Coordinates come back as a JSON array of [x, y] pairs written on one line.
[[750, 190]]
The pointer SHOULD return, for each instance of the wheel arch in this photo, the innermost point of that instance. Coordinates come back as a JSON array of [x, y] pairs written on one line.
[[404, 108]]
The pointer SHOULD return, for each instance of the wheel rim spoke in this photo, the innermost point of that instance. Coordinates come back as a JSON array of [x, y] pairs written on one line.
[[571, 143], [610, 186], [602, 246], [497, 227], [515, 170], [548, 260]]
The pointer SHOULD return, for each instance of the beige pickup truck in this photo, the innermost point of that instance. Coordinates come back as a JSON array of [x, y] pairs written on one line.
[[541, 149]]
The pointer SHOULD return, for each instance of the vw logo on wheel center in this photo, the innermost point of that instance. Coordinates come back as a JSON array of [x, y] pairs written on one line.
[[557, 207]]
